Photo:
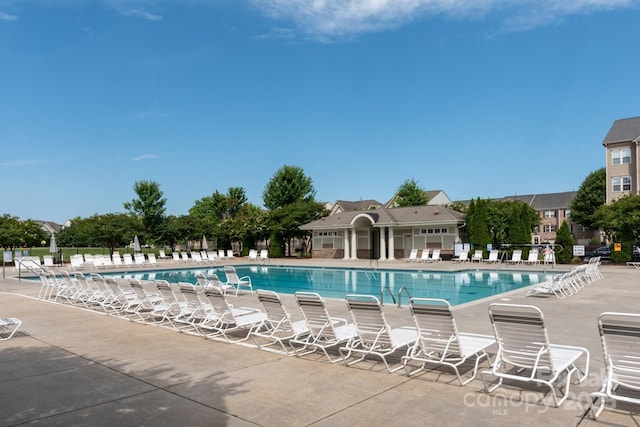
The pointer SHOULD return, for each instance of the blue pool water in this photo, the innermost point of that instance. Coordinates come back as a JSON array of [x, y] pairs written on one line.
[[456, 287]]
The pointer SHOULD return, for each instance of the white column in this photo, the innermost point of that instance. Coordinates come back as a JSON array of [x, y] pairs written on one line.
[[354, 244], [346, 243], [383, 244], [391, 244]]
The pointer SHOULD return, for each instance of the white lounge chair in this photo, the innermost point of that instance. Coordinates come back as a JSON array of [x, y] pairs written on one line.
[[221, 254], [324, 331], [192, 309], [230, 254], [477, 256], [224, 320], [47, 260], [558, 286], [264, 256], [532, 258], [162, 254], [413, 256], [151, 257], [175, 256], [620, 338], [516, 257], [165, 310], [493, 257], [253, 255], [435, 256], [8, 327], [374, 336], [525, 354], [128, 260], [140, 258], [277, 327], [237, 282], [424, 256], [462, 257], [440, 343]]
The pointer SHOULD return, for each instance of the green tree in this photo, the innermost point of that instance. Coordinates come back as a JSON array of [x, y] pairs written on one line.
[[32, 233], [410, 194], [478, 223], [511, 221], [249, 226], [169, 232], [564, 239], [289, 195], [219, 207], [620, 221], [113, 230], [286, 221], [149, 207], [521, 222], [288, 185], [78, 234], [15, 233], [10, 232], [589, 197]]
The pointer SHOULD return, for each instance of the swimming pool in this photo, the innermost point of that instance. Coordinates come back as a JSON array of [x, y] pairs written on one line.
[[456, 287]]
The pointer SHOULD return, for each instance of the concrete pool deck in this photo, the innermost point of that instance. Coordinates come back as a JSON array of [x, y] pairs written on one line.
[[77, 367]]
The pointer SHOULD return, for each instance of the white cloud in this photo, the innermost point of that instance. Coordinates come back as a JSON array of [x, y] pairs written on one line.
[[330, 19], [19, 163], [7, 17], [144, 157], [140, 13]]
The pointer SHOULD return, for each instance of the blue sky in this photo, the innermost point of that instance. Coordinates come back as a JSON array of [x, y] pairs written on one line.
[[479, 98]]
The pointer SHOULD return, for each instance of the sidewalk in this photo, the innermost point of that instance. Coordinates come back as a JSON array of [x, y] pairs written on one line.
[[77, 367]]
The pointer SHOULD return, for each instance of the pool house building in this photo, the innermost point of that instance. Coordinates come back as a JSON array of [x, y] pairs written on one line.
[[386, 233]]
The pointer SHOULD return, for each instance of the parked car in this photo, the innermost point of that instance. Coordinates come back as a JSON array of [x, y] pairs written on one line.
[[604, 252]]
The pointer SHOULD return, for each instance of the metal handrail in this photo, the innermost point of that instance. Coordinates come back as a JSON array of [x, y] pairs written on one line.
[[404, 288], [389, 292]]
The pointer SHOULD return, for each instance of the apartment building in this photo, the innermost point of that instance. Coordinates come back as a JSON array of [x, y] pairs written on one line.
[[623, 173]]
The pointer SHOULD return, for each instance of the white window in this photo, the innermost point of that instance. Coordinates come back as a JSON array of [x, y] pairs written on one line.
[[621, 183], [549, 228], [621, 157], [567, 213], [549, 214]]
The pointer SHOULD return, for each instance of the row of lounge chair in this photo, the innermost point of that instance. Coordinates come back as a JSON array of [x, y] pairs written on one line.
[[424, 256], [493, 257], [569, 283], [520, 347], [516, 257], [116, 260]]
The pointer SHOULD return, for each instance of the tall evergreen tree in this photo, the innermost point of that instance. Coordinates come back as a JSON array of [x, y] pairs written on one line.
[[564, 239], [478, 223], [590, 196]]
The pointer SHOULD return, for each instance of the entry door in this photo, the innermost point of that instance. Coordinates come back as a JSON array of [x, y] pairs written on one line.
[[408, 245], [375, 243]]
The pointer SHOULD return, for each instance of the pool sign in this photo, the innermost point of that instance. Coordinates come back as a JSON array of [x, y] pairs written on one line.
[[578, 250]]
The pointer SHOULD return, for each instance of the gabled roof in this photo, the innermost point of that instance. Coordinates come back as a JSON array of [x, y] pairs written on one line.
[[541, 202], [623, 130], [49, 227], [435, 197], [361, 205], [408, 216]]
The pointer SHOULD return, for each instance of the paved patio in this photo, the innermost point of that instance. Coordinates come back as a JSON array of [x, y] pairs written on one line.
[[77, 367]]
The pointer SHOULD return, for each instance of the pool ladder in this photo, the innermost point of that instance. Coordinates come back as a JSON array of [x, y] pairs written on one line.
[[402, 290]]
